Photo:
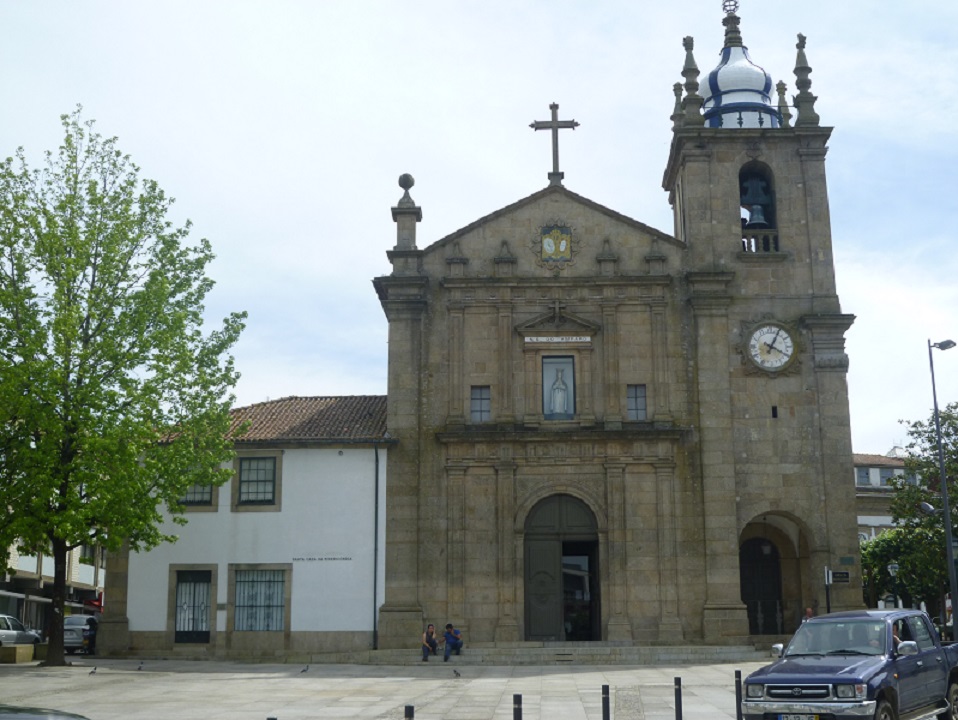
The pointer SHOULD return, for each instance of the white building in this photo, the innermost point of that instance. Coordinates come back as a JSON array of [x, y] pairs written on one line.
[[287, 558], [874, 491]]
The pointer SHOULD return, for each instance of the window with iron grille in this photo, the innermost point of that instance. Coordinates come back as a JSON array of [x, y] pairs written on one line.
[[257, 481], [260, 600], [480, 404], [198, 495], [635, 402]]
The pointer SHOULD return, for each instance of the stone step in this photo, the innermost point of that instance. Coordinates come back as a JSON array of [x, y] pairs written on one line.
[[598, 653]]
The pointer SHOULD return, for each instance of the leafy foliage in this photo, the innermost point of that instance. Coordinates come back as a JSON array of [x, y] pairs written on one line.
[[113, 401], [918, 541]]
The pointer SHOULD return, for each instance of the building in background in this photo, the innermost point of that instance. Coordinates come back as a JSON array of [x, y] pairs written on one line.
[[874, 492], [27, 588]]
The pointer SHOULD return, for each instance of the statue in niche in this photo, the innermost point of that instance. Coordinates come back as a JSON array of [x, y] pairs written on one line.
[[560, 394]]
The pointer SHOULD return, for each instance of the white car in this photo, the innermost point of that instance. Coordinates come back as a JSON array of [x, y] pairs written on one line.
[[12, 632], [79, 633]]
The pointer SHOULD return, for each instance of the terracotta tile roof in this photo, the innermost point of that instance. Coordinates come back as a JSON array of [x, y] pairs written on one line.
[[314, 419], [865, 460]]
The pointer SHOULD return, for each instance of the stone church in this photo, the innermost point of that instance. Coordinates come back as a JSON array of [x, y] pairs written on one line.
[[608, 432]]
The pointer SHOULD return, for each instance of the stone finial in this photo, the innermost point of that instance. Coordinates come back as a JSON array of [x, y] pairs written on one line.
[[804, 101], [783, 110], [677, 115], [406, 214], [692, 105]]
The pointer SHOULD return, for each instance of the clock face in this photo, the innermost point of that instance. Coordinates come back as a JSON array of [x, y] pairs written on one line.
[[771, 347]]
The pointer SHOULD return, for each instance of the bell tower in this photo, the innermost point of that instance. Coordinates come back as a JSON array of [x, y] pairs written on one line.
[[768, 366]]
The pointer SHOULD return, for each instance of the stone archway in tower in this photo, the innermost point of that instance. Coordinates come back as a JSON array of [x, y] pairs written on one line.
[[561, 571], [776, 577]]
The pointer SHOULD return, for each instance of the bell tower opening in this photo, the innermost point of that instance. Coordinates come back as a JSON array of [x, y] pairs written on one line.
[[757, 200]]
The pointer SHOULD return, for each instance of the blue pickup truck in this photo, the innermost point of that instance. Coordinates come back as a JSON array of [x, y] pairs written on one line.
[[875, 664]]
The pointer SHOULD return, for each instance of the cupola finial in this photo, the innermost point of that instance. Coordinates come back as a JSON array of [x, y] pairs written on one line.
[[733, 35]]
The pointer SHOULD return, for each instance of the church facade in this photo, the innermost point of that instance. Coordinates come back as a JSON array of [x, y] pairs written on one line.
[[607, 432]]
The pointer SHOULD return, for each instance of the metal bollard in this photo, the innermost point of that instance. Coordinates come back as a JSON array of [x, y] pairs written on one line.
[[738, 695], [678, 698], [517, 707], [410, 712], [605, 703]]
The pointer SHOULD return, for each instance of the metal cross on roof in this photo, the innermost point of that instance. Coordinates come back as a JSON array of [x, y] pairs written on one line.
[[555, 124]]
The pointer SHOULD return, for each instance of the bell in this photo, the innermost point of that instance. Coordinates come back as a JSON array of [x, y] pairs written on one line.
[[756, 217], [754, 192]]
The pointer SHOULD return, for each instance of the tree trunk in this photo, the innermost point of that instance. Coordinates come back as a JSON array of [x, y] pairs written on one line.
[[55, 656]]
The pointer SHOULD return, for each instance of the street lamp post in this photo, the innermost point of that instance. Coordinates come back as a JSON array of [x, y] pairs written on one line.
[[893, 571], [945, 506]]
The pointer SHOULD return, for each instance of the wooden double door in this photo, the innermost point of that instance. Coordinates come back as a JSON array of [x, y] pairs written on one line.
[[562, 571]]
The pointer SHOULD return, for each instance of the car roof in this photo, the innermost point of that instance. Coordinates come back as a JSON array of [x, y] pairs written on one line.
[[862, 615], [27, 713]]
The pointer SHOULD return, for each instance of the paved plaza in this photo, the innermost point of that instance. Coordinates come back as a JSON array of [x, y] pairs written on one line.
[[208, 690]]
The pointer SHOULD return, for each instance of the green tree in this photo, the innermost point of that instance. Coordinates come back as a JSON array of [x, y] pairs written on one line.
[[920, 535], [113, 400], [920, 555]]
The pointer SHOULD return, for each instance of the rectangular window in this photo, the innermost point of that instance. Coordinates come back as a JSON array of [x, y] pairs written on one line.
[[862, 476], [558, 388], [257, 481], [885, 475], [635, 403], [260, 600], [193, 606], [198, 495], [480, 404]]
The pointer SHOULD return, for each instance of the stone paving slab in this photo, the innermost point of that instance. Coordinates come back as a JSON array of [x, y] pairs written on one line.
[[211, 690]]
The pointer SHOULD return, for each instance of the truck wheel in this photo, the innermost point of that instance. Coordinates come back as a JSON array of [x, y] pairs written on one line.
[[884, 711], [951, 713]]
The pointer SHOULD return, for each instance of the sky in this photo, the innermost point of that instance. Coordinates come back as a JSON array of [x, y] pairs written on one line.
[[282, 126]]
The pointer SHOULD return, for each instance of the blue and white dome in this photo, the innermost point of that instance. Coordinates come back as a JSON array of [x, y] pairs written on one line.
[[738, 92]]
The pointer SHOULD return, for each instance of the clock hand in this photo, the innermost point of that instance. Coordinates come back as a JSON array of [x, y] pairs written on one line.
[[771, 345]]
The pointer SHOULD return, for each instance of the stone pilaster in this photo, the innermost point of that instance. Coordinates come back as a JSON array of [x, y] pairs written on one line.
[[670, 626], [113, 635], [836, 465], [724, 615], [402, 295], [507, 629], [619, 626]]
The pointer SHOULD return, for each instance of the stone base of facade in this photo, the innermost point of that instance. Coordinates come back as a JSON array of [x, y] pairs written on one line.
[[400, 627], [113, 635], [266, 646], [670, 631], [507, 630], [619, 629], [725, 624]]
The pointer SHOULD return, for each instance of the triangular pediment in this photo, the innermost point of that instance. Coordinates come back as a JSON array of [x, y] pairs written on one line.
[[557, 321], [558, 191]]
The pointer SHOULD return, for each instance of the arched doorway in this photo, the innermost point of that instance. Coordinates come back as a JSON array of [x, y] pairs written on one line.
[[561, 571], [761, 584]]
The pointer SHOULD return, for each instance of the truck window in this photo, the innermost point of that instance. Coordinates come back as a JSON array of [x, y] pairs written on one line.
[[921, 634]]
